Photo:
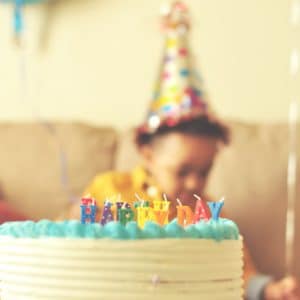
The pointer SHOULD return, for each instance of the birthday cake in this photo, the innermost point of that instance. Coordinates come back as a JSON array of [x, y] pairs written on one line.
[[70, 260]]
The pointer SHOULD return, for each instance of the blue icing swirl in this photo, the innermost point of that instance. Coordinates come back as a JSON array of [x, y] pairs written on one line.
[[221, 229], [134, 232], [93, 230], [174, 230], [218, 229], [13, 229], [192, 232], [56, 230], [231, 231], [115, 230], [44, 227], [28, 226], [74, 229], [153, 231]]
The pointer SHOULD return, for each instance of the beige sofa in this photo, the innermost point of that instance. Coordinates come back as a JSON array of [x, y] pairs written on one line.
[[43, 167]]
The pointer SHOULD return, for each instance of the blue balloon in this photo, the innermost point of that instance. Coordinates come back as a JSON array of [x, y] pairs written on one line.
[[18, 18]]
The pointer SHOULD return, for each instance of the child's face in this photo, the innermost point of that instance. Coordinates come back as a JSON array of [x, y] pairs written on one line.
[[180, 163]]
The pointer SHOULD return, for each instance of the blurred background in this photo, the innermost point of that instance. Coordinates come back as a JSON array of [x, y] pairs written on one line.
[[96, 60], [89, 68]]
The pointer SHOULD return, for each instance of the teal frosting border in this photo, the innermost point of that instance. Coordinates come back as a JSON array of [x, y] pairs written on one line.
[[221, 229]]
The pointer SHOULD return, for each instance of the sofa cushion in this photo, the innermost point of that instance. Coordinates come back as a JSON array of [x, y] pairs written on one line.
[[252, 174]]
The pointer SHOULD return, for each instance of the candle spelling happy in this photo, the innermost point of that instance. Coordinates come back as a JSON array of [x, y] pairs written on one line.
[[107, 215], [125, 214], [88, 210]]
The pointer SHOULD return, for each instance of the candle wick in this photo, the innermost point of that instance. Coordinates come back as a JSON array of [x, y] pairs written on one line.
[[179, 202], [165, 197], [197, 197], [107, 200], [138, 197]]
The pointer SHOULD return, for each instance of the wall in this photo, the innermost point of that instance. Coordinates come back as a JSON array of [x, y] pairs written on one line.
[[96, 60]]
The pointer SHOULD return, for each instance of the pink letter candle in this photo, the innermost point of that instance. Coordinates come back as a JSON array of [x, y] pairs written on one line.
[[201, 210]]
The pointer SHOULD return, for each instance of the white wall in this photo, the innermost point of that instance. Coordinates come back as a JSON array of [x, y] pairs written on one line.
[[96, 60]]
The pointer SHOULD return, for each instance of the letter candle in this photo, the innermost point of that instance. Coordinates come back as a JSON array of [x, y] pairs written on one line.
[[107, 215], [118, 207], [88, 209], [215, 208], [160, 211], [142, 211], [185, 215], [201, 210], [125, 214]]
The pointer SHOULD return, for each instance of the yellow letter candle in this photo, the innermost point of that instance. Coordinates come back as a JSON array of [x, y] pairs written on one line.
[[160, 211], [142, 211]]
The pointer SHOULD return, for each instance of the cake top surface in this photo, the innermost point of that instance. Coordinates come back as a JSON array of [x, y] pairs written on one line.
[[221, 229]]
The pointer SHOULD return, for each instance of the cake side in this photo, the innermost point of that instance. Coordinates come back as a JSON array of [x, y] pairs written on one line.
[[55, 268], [70, 260]]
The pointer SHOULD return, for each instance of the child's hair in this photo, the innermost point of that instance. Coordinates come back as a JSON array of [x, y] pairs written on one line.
[[201, 126]]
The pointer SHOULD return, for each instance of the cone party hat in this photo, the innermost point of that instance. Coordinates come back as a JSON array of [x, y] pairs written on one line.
[[178, 95]]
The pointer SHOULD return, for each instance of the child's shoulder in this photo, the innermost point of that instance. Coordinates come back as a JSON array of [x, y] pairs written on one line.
[[113, 178]]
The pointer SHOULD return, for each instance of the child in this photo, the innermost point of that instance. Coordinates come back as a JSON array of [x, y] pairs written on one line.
[[177, 160], [178, 143]]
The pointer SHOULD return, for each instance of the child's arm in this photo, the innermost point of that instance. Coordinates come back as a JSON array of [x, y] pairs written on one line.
[[255, 283], [103, 186], [263, 287]]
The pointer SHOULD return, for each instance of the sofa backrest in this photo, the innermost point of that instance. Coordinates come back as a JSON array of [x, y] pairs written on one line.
[[44, 166], [252, 174]]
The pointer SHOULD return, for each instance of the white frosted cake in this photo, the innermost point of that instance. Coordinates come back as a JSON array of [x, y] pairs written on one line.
[[69, 260]]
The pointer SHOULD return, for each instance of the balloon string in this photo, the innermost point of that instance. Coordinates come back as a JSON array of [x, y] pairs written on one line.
[[24, 99]]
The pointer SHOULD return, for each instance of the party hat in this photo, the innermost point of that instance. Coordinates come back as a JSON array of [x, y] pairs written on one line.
[[178, 95]]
